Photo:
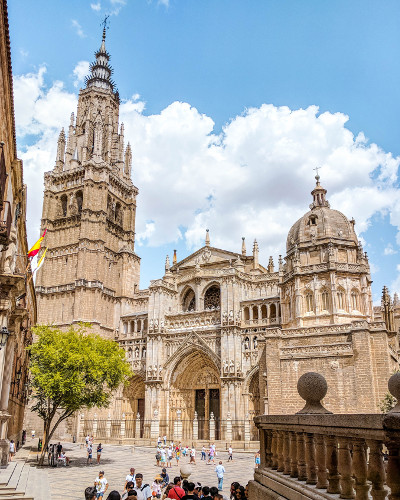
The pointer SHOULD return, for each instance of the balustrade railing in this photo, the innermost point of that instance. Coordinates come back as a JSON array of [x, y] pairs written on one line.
[[316, 454]]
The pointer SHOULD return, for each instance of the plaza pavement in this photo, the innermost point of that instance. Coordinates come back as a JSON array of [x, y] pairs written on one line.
[[70, 482]]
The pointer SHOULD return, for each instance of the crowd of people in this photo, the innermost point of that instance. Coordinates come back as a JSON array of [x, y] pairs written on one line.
[[135, 488]]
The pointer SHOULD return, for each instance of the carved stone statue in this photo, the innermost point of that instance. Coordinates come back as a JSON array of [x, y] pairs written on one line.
[[226, 366], [232, 366]]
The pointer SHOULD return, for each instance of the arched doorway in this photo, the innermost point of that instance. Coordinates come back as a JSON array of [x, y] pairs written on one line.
[[195, 387], [133, 404]]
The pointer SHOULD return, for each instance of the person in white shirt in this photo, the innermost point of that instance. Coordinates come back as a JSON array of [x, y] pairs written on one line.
[[130, 478], [12, 450], [193, 456], [143, 490], [230, 453], [101, 485], [219, 469]]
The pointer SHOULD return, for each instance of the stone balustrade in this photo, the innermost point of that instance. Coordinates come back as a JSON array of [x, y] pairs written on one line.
[[318, 455]]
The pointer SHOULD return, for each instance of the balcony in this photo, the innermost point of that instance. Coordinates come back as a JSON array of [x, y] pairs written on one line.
[[318, 455], [5, 223]]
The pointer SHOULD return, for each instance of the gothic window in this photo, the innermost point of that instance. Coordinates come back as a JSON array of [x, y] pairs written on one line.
[[64, 204], [325, 300], [139, 325], [255, 312], [309, 299], [263, 311], [246, 314], [125, 328], [212, 298], [189, 301], [341, 299], [79, 201], [118, 214], [355, 300], [130, 353], [272, 312]]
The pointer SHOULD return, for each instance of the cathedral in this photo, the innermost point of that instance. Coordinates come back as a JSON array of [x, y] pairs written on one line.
[[220, 338]]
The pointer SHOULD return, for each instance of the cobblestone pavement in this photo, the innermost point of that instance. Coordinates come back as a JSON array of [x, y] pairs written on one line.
[[70, 482]]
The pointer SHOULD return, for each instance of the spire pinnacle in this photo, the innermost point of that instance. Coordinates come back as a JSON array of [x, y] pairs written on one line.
[[243, 246], [100, 70], [174, 260], [167, 265], [207, 237], [319, 193]]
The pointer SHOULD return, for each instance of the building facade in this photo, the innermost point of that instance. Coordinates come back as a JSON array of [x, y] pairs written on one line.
[[17, 294], [219, 338]]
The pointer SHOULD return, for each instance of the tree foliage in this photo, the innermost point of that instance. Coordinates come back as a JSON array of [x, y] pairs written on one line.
[[389, 401], [72, 370]]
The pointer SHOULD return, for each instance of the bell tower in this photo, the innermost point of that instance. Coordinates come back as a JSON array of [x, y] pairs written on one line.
[[89, 210]]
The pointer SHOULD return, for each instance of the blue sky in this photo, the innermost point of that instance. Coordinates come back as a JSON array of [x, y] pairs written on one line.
[[194, 76]]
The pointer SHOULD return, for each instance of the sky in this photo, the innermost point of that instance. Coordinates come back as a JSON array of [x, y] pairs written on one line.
[[229, 106]]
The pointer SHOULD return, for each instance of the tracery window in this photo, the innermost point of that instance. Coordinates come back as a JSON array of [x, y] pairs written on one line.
[[246, 314], [189, 301], [341, 299], [79, 201], [272, 312], [355, 300], [325, 300], [212, 298], [309, 299], [255, 312], [64, 205]]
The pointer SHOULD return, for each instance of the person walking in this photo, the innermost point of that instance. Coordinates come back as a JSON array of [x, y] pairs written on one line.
[[101, 485], [169, 457], [230, 453], [219, 469], [193, 455], [177, 455], [257, 459], [89, 454], [165, 440], [59, 449], [99, 450], [203, 453], [12, 450]]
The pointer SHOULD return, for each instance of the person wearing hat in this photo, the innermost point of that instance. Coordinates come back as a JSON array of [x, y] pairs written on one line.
[[156, 486], [165, 478]]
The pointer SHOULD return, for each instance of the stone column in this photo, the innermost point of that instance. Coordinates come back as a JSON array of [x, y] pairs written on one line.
[[195, 427], [94, 429], [122, 429], [247, 428], [228, 436], [212, 427], [108, 426], [179, 425], [155, 426], [137, 426], [79, 427]]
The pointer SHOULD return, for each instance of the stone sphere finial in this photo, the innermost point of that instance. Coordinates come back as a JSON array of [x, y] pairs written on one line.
[[312, 387], [394, 389]]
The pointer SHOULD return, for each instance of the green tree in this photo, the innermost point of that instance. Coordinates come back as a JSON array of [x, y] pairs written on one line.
[[72, 370]]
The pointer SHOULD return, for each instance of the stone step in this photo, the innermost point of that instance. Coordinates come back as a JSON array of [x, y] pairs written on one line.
[[15, 476]]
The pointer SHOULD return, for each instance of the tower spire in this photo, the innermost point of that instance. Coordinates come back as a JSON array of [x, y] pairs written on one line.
[[100, 70], [319, 193]]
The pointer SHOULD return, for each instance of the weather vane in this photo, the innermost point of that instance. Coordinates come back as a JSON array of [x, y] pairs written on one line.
[[105, 25]]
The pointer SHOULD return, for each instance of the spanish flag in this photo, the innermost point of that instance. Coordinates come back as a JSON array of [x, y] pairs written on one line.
[[40, 261], [36, 247]]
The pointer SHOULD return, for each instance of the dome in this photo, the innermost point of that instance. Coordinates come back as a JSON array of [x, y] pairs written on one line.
[[321, 223]]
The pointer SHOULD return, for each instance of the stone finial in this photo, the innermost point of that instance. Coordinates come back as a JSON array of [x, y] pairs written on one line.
[[312, 387], [395, 299], [271, 264], [255, 255], [243, 246], [207, 237], [167, 265], [394, 389], [174, 260]]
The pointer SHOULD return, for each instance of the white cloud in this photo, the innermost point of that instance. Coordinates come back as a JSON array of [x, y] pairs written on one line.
[[389, 250], [164, 2], [24, 53], [96, 6], [254, 179], [80, 71], [78, 28], [117, 6]]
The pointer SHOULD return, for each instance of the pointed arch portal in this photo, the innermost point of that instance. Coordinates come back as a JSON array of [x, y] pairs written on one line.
[[195, 387]]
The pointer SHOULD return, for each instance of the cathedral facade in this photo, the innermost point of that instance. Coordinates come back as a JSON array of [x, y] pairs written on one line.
[[219, 337]]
